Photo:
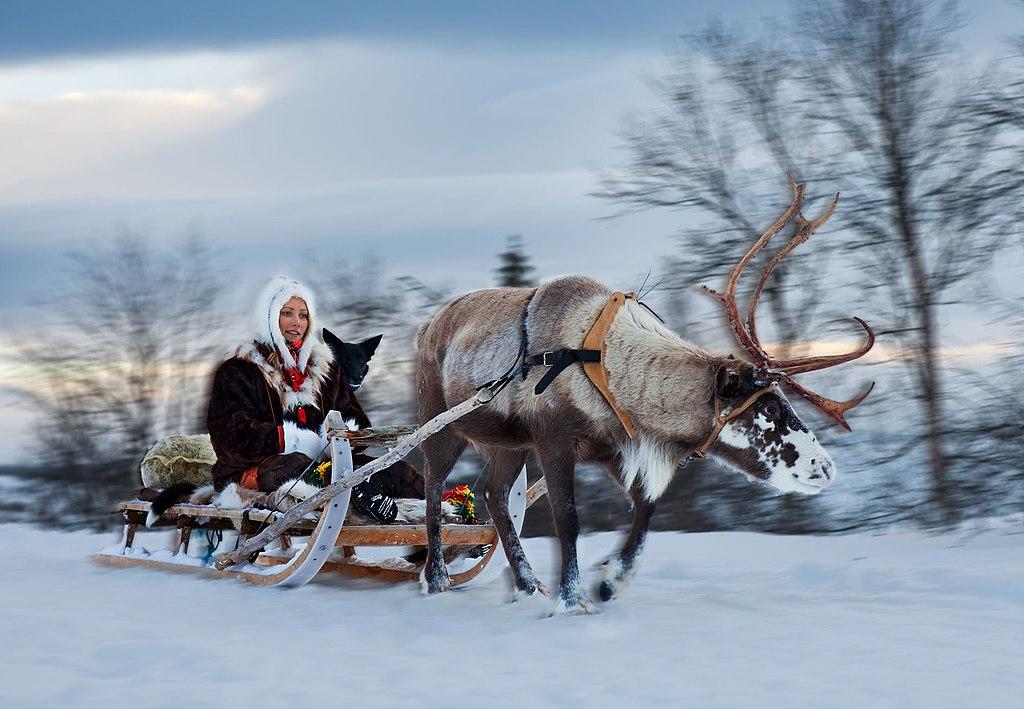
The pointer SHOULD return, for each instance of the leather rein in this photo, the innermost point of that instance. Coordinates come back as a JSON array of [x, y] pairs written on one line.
[[722, 419]]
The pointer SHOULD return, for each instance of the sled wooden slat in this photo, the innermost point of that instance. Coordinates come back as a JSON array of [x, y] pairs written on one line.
[[349, 535], [385, 570], [196, 511], [209, 517], [125, 562], [414, 534]]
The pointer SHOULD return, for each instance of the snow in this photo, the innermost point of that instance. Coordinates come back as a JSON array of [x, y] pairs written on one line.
[[711, 620]]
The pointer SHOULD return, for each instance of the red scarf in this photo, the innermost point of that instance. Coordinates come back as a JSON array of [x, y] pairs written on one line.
[[293, 376]]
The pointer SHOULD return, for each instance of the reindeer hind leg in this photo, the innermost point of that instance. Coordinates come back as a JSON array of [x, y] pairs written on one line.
[[504, 467], [440, 453]]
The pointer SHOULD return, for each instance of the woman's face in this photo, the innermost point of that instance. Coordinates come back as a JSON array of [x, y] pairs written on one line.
[[294, 320]]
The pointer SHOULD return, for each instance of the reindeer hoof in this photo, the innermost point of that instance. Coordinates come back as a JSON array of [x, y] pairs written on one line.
[[581, 605], [437, 583], [532, 590], [616, 578]]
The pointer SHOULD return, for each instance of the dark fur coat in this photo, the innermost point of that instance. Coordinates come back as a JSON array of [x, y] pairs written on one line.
[[253, 414], [248, 423]]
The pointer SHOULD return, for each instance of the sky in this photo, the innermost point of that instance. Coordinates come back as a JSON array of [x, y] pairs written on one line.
[[294, 135]]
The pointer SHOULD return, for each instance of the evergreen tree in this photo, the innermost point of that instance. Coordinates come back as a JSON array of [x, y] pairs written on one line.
[[515, 264]]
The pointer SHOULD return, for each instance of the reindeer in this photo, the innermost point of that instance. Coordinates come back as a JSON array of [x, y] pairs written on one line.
[[644, 401]]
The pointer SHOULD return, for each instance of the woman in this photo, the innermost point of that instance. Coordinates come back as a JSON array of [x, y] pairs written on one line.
[[269, 400]]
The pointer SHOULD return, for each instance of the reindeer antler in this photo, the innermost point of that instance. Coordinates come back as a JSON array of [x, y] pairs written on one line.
[[747, 336], [728, 299]]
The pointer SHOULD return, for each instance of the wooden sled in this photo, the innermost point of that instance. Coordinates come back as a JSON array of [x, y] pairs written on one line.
[[330, 545]]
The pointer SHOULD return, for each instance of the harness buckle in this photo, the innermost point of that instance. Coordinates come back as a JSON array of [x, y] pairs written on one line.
[[548, 359]]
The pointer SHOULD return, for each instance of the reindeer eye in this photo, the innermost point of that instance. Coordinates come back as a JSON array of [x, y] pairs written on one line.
[[771, 410]]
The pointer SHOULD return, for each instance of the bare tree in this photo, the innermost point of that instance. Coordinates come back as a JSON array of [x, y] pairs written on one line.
[[867, 101], [359, 299], [730, 132], [928, 176], [123, 350]]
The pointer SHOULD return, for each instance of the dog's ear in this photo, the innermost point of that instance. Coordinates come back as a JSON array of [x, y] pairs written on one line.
[[370, 346], [330, 338]]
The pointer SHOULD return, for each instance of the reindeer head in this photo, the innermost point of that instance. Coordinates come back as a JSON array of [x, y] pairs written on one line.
[[765, 439], [756, 429]]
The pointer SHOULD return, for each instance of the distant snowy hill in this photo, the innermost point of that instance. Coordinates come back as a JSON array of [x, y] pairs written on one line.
[[713, 620]]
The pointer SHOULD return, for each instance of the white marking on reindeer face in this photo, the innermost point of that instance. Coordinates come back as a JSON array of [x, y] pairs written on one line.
[[810, 473], [779, 450]]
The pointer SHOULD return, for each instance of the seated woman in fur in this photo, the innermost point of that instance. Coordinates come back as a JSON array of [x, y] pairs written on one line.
[[268, 403]]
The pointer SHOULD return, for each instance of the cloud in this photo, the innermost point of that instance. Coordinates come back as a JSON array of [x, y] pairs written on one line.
[[68, 132], [55, 28], [301, 117]]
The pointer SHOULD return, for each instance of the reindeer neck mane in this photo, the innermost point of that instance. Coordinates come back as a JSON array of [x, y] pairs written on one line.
[[663, 381]]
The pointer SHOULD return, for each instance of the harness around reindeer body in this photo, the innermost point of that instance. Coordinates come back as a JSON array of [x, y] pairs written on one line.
[[592, 357]]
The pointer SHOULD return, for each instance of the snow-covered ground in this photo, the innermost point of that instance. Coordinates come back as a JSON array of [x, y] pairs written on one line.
[[713, 620]]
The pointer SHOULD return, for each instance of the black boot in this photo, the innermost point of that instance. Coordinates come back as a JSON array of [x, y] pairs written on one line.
[[369, 499]]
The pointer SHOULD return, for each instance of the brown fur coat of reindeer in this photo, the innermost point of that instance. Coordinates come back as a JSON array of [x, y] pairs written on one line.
[[680, 399]]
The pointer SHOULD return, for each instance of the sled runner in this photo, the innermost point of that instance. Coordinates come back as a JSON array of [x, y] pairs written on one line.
[[319, 541]]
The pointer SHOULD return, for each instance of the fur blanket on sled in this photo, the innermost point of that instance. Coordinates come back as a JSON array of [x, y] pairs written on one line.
[[179, 459]]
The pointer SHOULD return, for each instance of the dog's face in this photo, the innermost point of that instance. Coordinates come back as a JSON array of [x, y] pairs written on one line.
[[352, 358]]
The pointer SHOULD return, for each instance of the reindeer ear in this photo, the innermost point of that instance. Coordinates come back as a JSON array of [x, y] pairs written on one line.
[[727, 382]]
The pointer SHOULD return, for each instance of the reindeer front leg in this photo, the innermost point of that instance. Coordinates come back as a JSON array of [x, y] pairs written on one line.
[[559, 463], [620, 567]]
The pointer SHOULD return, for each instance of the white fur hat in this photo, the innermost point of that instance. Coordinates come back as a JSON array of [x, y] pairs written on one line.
[[268, 310]]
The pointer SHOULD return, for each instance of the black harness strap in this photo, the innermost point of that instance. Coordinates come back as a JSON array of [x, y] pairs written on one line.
[[558, 360]]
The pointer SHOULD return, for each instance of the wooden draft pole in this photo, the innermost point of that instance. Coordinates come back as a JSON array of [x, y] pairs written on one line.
[[348, 480]]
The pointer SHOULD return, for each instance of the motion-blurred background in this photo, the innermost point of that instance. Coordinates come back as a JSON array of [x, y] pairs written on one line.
[[158, 162]]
